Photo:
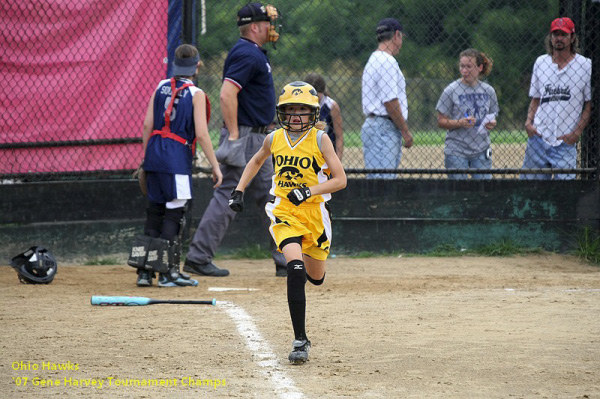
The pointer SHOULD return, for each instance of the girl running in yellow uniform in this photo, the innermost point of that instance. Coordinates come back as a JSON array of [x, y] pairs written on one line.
[[307, 171]]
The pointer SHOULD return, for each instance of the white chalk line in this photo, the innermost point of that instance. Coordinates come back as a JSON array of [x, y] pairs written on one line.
[[262, 352], [577, 290], [223, 289]]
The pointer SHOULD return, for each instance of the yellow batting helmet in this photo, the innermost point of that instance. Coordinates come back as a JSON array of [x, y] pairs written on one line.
[[298, 93]]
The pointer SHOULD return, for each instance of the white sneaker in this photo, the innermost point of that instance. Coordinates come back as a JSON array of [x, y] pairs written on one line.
[[164, 281]]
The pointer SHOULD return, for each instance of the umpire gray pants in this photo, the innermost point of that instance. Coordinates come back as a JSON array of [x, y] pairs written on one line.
[[218, 215]]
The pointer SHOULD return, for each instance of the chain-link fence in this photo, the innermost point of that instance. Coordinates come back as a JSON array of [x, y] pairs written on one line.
[[335, 38], [76, 79]]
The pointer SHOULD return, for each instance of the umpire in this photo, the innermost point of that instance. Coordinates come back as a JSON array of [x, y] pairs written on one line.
[[248, 107]]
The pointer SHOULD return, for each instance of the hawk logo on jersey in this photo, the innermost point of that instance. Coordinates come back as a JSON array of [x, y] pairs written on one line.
[[290, 170], [290, 173], [290, 176]]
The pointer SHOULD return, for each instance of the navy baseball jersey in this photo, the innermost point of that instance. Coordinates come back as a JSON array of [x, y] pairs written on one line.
[[247, 67], [164, 154], [325, 115]]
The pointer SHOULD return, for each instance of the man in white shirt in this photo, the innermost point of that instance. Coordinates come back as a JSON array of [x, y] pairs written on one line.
[[384, 103], [560, 108]]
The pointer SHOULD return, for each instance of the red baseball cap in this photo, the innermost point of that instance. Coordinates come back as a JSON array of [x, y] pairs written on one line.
[[564, 24]]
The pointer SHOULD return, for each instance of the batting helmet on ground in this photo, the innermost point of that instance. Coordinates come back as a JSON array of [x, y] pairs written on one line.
[[35, 266]]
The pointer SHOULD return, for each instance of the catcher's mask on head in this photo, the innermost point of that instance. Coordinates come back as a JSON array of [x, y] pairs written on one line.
[[298, 93], [254, 12], [35, 266], [275, 28]]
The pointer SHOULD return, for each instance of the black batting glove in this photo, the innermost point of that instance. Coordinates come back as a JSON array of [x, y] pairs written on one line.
[[236, 202], [299, 195]]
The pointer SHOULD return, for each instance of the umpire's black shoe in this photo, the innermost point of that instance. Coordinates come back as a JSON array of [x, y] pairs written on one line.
[[280, 271], [206, 269]]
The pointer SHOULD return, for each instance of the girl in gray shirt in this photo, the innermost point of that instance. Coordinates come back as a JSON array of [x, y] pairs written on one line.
[[462, 108]]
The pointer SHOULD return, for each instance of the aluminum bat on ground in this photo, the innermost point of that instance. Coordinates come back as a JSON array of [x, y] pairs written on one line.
[[142, 301]]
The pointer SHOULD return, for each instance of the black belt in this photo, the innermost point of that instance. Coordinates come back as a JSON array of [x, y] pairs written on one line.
[[254, 129], [379, 116], [259, 129]]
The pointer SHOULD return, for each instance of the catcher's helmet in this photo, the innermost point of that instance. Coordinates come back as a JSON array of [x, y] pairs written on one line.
[[254, 12], [298, 93], [35, 266]]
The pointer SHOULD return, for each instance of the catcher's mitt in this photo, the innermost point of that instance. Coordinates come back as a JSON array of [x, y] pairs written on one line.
[[140, 174]]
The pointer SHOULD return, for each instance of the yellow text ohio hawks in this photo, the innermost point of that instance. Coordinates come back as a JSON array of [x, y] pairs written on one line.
[[298, 163]]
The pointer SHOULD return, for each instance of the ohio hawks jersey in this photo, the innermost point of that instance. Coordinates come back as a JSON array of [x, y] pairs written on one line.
[[298, 163]]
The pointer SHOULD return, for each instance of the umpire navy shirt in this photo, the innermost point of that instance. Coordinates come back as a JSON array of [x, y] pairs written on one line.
[[247, 67]]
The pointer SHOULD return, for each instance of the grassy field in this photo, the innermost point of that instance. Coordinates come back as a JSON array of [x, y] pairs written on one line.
[[437, 137], [428, 149], [421, 137], [586, 249]]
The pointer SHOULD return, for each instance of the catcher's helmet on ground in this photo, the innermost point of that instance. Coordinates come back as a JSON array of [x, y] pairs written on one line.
[[298, 93], [35, 266]]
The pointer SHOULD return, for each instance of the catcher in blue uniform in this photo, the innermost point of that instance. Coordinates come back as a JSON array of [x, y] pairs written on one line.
[[177, 117]]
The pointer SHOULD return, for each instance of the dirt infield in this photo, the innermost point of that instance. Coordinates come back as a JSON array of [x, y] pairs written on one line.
[[432, 157], [523, 327]]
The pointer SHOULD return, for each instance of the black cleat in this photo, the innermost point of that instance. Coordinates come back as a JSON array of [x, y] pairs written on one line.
[[144, 278], [299, 353], [280, 271], [206, 269]]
